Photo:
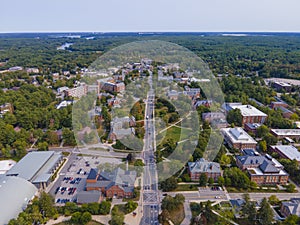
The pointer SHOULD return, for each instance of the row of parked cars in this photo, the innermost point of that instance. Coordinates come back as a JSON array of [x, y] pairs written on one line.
[[62, 190], [62, 201]]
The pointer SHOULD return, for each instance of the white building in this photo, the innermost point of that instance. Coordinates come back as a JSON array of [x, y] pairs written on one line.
[[6, 165], [238, 138]]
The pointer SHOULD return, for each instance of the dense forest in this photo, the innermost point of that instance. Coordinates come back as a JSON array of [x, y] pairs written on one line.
[[269, 56]]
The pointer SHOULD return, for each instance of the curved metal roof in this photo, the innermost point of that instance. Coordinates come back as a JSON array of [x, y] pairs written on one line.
[[15, 194]]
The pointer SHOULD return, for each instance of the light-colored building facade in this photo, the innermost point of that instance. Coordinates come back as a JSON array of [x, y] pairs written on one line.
[[238, 138]]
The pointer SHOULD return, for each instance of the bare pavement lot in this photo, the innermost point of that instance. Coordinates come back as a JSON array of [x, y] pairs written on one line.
[[73, 175]]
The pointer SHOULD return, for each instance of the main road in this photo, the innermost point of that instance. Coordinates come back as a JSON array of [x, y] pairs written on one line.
[[150, 192]]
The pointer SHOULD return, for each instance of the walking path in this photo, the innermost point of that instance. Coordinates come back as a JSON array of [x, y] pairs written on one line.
[[187, 213]]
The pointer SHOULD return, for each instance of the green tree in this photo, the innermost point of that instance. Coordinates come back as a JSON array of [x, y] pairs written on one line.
[[117, 217], [42, 146], [46, 203], [234, 116], [262, 131], [203, 179], [291, 220], [130, 206], [76, 217], [104, 207], [273, 200], [248, 208], [265, 213], [225, 160], [290, 188], [263, 145], [221, 181], [93, 208], [20, 148], [211, 181], [169, 184], [85, 218]]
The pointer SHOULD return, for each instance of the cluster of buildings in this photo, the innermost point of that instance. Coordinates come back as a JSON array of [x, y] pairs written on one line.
[[118, 183], [21, 181], [81, 89], [121, 127]]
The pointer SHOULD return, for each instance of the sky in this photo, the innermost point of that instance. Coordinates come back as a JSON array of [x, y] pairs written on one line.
[[151, 15]]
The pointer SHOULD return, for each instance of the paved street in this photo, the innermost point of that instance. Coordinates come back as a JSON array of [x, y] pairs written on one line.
[[150, 192]]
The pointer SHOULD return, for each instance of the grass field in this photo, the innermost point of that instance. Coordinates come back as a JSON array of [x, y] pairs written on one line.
[[187, 187]]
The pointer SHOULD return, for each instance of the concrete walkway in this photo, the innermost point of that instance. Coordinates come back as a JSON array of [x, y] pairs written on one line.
[[130, 219], [58, 220], [101, 219], [187, 213]]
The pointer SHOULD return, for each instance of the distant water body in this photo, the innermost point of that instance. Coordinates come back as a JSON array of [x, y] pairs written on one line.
[[64, 46]]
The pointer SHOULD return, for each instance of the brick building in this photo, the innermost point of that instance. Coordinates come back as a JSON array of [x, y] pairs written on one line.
[[238, 138], [263, 170], [118, 183], [249, 113], [211, 169]]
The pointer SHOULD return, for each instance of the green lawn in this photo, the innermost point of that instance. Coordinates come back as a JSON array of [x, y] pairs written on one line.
[[187, 187], [236, 190]]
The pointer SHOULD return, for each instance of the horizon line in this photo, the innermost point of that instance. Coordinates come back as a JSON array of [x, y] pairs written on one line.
[[146, 32]]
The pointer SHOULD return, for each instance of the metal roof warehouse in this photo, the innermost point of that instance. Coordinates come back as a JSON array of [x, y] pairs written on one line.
[[37, 167]]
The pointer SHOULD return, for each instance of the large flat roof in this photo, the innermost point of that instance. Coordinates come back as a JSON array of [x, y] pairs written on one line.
[[288, 132], [15, 194], [30, 164], [248, 110], [289, 151], [238, 135]]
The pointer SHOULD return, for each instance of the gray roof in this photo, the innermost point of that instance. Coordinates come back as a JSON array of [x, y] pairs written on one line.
[[289, 151], [123, 179], [88, 196], [237, 203], [36, 166], [30, 164], [268, 167], [203, 166], [15, 193], [250, 160], [293, 206]]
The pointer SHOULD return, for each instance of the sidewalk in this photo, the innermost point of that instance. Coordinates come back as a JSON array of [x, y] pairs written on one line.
[[187, 213], [58, 220]]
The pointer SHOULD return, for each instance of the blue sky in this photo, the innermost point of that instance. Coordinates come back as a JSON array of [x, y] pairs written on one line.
[[151, 15]]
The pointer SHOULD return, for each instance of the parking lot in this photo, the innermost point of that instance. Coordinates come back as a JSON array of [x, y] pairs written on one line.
[[73, 178]]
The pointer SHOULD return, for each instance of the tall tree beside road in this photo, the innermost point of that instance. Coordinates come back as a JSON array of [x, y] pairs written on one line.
[[169, 184], [248, 208], [203, 179], [265, 213]]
